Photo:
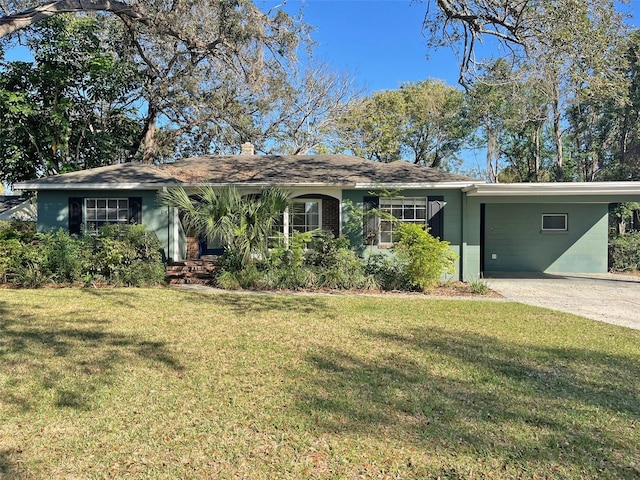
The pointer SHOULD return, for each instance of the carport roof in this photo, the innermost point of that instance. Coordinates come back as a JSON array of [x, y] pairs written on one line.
[[552, 189]]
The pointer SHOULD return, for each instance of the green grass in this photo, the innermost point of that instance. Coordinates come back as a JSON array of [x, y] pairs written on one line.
[[161, 383]]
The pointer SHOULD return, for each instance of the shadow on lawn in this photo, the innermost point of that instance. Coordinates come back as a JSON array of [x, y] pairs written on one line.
[[68, 360], [467, 393], [256, 302], [8, 468]]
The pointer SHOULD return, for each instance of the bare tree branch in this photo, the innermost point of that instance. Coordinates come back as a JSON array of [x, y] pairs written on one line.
[[24, 19]]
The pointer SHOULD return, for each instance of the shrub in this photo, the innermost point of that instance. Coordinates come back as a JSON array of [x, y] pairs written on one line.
[[228, 280], [387, 271], [624, 252], [16, 250], [62, 257], [31, 275], [425, 259], [327, 263], [478, 286], [335, 265], [119, 255]]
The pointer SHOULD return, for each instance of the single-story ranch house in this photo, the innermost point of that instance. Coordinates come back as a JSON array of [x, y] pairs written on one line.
[[533, 227]]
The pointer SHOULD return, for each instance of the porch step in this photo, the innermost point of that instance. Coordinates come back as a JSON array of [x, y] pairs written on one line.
[[200, 271]]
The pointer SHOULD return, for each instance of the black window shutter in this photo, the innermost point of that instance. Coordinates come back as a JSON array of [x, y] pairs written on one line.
[[135, 209], [435, 216], [370, 222], [75, 215]]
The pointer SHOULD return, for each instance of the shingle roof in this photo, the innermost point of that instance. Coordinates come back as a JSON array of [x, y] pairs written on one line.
[[122, 174], [7, 202], [336, 170], [301, 169]]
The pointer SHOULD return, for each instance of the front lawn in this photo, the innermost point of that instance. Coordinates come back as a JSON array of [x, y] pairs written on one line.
[[159, 383]]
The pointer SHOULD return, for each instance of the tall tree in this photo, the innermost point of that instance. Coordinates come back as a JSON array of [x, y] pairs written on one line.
[[293, 115], [570, 49], [491, 103], [423, 122], [372, 127], [72, 108], [185, 50], [627, 153]]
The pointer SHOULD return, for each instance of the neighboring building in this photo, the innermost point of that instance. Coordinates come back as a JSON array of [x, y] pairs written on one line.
[[14, 207], [543, 227]]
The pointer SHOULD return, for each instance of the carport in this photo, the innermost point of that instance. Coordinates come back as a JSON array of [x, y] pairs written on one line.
[[542, 227]]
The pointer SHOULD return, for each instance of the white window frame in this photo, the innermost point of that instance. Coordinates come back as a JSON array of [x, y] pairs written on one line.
[[548, 215], [119, 213], [405, 209], [288, 217]]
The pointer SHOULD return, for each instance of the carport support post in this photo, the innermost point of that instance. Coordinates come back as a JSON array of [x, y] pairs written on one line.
[[470, 248]]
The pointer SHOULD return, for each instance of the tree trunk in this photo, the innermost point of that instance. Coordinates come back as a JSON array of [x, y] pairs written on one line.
[[536, 167], [557, 136], [149, 145], [18, 21], [492, 155]]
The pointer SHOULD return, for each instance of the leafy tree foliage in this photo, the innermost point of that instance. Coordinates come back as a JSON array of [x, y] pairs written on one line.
[[293, 115], [72, 108], [424, 122], [605, 129], [568, 50], [192, 56]]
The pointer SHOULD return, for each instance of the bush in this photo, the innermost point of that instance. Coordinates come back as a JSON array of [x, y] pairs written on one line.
[[335, 265], [15, 246], [478, 286], [424, 259], [119, 255], [624, 252], [327, 263], [62, 257], [387, 271], [31, 275]]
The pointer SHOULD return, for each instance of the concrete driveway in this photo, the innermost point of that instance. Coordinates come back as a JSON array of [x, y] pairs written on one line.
[[608, 298]]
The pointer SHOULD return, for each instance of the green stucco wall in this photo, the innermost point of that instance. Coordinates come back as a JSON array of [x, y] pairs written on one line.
[[452, 219], [53, 212], [514, 240]]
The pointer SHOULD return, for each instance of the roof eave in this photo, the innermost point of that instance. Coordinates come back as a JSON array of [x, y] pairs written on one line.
[[552, 189], [414, 185], [90, 186]]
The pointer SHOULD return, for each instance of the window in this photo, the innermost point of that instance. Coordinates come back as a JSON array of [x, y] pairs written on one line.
[[407, 210], [304, 215], [89, 214], [101, 211], [554, 222]]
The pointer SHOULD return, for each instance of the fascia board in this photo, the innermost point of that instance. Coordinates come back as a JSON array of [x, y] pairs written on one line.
[[91, 186], [553, 189], [415, 185]]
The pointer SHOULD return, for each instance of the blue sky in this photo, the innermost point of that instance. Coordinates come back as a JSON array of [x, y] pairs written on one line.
[[380, 42]]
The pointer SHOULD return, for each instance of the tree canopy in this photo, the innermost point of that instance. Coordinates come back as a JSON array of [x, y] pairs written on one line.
[[72, 108], [423, 122]]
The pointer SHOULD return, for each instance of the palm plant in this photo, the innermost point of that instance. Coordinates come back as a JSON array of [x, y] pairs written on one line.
[[242, 223]]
